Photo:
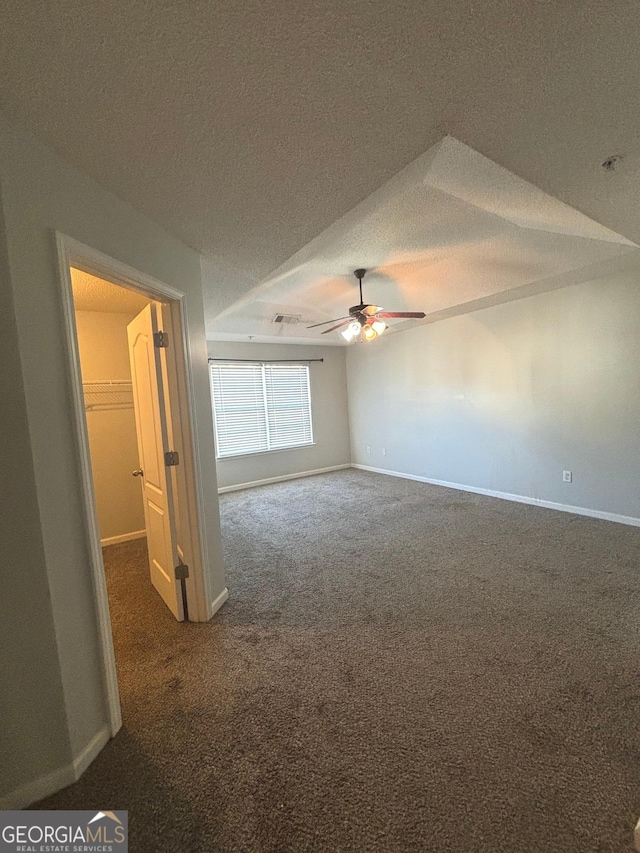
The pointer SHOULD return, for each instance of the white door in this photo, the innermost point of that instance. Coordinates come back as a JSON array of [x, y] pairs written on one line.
[[151, 411]]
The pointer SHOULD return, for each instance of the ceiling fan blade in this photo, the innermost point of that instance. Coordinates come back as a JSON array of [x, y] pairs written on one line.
[[370, 310], [324, 323], [406, 314], [333, 328]]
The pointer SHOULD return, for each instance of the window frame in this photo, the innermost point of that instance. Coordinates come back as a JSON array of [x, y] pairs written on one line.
[[265, 405]]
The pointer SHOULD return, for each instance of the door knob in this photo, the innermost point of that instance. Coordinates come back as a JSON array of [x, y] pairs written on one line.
[[138, 473]]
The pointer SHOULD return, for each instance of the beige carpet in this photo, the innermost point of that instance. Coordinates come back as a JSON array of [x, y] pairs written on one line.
[[400, 667]]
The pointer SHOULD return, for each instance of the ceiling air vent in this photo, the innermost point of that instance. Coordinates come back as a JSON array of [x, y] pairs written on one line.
[[287, 318]]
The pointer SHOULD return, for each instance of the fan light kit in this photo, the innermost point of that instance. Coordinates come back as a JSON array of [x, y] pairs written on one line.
[[365, 322]]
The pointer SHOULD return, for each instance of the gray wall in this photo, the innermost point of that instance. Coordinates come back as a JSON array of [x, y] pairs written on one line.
[[42, 193], [508, 397], [33, 725], [329, 411]]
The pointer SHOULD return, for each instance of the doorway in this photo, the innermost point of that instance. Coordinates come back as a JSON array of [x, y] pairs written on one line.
[[141, 293], [102, 314]]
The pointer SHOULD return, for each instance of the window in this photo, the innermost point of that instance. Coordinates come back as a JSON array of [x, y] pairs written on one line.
[[260, 406]]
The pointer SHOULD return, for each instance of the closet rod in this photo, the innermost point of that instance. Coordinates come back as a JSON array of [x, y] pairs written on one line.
[[110, 382], [268, 361]]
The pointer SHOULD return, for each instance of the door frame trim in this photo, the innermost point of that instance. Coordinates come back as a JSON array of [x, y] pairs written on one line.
[[72, 253]]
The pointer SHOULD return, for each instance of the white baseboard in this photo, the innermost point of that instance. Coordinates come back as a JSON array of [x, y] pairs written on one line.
[[124, 537], [38, 789], [280, 479], [91, 750], [507, 496], [42, 787], [217, 603]]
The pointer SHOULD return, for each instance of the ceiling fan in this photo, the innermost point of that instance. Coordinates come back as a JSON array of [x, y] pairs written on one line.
[[365, 321]]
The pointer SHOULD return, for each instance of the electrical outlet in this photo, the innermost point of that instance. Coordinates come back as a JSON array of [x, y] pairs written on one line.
[[384, 451], [368, 449], [567, 477]]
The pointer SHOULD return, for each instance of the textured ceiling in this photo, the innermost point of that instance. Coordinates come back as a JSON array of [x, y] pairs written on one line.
[[248, 128], [94, 294], [451, 232]]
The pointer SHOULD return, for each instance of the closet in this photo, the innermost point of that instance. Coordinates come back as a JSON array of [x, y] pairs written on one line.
[[108, 395]]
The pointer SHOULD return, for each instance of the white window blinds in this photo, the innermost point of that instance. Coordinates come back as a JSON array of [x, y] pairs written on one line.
[[260, 407]]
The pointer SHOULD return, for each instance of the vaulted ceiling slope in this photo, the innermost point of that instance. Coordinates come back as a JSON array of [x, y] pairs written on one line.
[[452, 232], [247, 128]]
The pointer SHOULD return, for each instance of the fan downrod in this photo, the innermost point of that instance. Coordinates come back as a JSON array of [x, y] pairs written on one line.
[[359, 274]]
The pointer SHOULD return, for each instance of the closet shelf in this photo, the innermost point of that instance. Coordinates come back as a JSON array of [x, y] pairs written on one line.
[[108, 394]]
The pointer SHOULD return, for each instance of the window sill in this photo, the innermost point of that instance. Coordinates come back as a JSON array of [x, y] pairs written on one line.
[[265, 452]]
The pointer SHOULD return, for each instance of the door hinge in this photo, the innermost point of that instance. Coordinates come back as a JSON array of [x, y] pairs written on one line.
[[161, 339], [171, 457], [182, 572]]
